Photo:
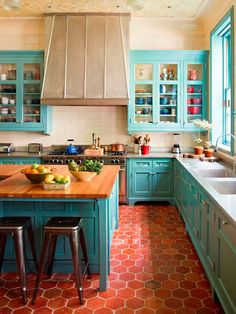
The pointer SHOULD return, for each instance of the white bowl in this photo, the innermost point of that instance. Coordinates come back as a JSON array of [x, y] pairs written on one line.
[[5, 100]]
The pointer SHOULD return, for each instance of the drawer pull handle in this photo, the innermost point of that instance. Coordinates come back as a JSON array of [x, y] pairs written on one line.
[[225, 222]]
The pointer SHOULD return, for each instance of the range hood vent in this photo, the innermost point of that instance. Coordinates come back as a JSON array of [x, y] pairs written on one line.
[[87, 60]]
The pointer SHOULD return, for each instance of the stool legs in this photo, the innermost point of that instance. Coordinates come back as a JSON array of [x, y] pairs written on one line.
[[20, 260], [32, 245], [84, 250], [3, 240], [77, 269], [51, 253], [42, 260]]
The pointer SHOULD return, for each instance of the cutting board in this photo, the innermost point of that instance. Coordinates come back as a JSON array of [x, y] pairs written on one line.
[[191, 155], [94, 151]]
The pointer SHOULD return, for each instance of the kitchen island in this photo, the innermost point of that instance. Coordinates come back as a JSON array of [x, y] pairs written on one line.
[[95, 201]]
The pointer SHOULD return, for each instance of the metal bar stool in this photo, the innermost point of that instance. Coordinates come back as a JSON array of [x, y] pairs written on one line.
[[16, 226], [69, 226]]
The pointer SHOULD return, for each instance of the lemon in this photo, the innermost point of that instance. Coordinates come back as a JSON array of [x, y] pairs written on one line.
[[65, 179], [58, 176], [49, 178]]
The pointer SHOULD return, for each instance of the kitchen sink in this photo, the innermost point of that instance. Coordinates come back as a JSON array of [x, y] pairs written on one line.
[[214, 173], [224, 187]]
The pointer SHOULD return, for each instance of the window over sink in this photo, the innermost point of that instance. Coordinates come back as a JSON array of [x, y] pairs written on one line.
[[222, 95]]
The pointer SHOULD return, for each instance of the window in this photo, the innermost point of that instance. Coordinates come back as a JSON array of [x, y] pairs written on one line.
[[222, 82]]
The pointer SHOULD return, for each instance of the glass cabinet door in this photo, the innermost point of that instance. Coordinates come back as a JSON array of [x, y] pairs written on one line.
[[31, 92], [8, 93], [143, 93], [168, 94], [195, 100]]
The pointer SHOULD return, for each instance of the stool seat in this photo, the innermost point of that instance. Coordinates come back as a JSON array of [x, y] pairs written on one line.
[[15, 227], [14, 222], [61, 223], [71, 227]]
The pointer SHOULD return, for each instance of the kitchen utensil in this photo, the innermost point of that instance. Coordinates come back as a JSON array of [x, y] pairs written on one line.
[[71, 149], [117, 147], [176, 146], [36, 177], [194, 110], [163, 100], [193, 75], [139, 100], [83, 175], [3, 77], [162, 89], [145, 149], [5, 100], [190, 89], [11, 75], [197, 100], [35, 147]]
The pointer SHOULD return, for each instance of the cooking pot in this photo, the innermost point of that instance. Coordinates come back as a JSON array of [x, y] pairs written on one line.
[[117, 147], [71, 149]]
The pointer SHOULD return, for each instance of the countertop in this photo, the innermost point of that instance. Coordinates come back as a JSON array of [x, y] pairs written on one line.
[[18, 186], [225, 201]]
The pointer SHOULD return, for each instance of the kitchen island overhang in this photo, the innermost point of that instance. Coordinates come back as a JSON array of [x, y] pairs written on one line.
[[96, 202]]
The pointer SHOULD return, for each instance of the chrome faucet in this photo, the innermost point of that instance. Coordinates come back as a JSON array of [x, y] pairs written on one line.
[[216, 147]]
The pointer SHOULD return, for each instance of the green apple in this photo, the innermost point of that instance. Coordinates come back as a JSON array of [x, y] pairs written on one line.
[[34, 165]]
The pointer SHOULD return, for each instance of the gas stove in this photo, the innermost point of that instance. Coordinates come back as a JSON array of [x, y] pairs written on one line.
[[61, 157]]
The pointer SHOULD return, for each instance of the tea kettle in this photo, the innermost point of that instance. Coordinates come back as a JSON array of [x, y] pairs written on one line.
[[71, 149]]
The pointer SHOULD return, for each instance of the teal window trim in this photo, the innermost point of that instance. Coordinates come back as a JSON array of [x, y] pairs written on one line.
[[222, 80]]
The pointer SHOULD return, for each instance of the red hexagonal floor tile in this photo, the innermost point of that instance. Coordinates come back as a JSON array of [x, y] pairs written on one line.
[[154, 269]]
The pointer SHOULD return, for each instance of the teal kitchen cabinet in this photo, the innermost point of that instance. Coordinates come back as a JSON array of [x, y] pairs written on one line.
[[168, 90], [150, 179], [225, 263], [19, 161], [212, 233], [20, 89]]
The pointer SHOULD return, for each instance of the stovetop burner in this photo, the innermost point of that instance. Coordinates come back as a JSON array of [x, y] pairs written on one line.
[[116, 153], [61, 153]]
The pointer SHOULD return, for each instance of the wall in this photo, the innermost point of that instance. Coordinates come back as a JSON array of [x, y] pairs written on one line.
[[110, 124]]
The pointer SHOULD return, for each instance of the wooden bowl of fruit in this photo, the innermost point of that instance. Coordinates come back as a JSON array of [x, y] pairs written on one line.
[[37, 173], [86, 171]]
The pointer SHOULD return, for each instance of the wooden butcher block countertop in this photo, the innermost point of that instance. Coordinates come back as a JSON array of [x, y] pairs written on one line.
[[18, 186]]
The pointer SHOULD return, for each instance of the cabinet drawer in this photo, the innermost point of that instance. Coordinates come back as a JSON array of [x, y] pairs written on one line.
[[142, 165], [162, 164]]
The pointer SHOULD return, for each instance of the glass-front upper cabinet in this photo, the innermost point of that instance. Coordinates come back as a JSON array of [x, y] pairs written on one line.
[[143, 90], [21, 74], [8, 92], [168, 89], [31, 92], [195, 92]]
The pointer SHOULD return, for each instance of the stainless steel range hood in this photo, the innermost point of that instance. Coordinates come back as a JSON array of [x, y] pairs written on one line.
[[87, 60]]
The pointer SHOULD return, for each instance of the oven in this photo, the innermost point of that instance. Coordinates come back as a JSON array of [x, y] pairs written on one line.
[[60, 158]]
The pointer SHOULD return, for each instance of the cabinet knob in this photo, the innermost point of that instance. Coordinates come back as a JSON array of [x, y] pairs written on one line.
[[204, 203], [225, 222]]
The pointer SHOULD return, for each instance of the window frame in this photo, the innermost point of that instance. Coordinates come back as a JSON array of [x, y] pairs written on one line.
[[218, 35]]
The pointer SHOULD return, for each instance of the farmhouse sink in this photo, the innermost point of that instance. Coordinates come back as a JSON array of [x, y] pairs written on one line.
[[224, 187], [213, 173]]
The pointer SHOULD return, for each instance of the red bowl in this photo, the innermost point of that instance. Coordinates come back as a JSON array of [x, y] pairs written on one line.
[[197, 101], [194, 110]]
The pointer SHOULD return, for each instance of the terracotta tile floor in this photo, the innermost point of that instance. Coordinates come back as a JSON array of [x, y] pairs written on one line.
[[154, 269]]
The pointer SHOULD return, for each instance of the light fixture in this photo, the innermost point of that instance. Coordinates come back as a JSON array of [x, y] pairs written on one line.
[[11, 5], [134, 4]]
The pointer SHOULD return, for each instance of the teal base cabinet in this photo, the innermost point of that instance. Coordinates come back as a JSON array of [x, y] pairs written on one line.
[[20, 161], [213, 235], [99, 222], [150, 179]]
